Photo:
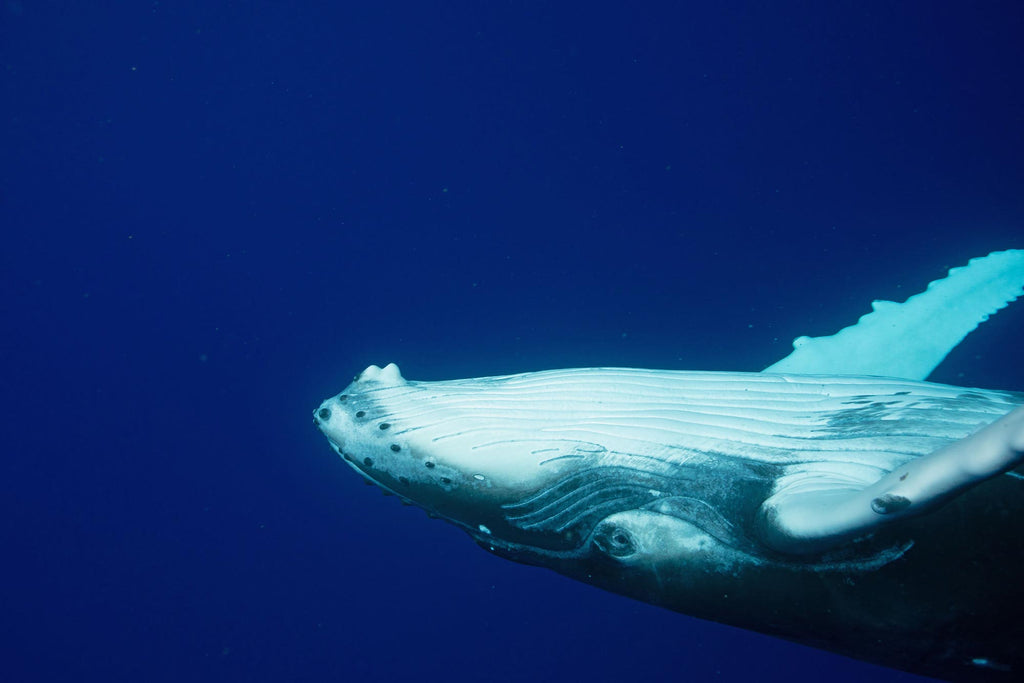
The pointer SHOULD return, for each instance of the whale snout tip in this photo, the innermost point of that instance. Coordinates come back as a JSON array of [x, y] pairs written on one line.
[[322, 415], [333, 421], [325, 414]]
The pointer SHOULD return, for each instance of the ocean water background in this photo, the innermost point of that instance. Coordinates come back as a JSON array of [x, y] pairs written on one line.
[[214, 214]]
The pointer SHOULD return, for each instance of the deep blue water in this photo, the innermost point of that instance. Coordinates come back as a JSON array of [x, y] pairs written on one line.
[[214, 214]]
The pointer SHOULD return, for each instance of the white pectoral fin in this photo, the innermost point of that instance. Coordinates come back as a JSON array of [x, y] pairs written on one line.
[[801, 521], [910, 339]]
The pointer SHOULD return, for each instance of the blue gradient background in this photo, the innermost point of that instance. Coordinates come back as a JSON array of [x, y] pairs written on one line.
[[214, 214]]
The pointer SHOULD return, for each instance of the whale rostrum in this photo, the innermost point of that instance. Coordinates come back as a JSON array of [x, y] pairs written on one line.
[[835, 499]]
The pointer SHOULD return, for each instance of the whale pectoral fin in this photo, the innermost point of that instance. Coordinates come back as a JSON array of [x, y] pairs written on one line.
[[925, 328], [802, 521]]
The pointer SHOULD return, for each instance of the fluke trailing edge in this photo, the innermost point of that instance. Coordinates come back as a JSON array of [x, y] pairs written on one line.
[[835, 499]]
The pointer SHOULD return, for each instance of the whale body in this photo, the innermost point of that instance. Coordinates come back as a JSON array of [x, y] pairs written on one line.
[[835, 499]]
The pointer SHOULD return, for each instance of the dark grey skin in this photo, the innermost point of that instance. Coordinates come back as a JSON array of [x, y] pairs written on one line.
[[932, 587], [954, 595]]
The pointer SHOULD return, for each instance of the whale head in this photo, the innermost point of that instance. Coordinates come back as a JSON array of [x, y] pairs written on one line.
[[487, 456], [396, 436]]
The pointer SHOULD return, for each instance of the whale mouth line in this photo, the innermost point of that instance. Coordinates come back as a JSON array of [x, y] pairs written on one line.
[[583, 495], [564, 515]]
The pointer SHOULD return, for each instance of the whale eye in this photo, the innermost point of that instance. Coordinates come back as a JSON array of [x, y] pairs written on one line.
[[324, 414], [615, 540]]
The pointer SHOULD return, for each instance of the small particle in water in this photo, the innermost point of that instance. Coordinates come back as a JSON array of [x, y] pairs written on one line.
[[987, 663]]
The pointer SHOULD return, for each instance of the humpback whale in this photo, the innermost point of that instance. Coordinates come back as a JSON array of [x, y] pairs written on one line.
[[836, 498]]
